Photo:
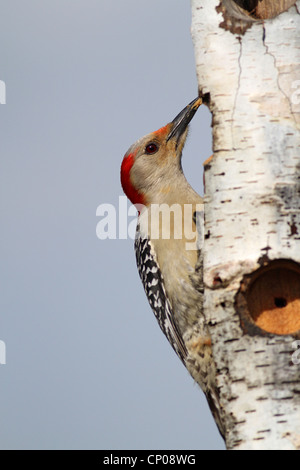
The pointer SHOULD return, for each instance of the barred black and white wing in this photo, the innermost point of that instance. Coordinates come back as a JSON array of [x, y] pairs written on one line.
[[153, 283]]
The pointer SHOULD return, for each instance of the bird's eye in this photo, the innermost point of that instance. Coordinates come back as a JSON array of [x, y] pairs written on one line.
[[151, 148]]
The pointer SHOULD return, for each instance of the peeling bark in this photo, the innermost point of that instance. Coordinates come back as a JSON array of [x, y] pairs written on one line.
[[249, 75]]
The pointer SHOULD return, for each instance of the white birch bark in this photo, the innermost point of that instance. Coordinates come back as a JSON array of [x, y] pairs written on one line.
[[251, 80]]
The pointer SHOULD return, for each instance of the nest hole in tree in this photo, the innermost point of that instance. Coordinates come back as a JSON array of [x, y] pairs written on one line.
[[272, 298], [261, 9]]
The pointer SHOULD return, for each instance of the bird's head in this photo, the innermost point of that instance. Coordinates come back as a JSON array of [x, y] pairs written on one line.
[[152, 164]]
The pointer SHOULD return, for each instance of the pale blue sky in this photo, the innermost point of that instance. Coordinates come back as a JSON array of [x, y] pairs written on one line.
[[87, 365]]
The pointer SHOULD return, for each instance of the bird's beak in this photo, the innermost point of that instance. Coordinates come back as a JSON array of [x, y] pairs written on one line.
[[182, 120]]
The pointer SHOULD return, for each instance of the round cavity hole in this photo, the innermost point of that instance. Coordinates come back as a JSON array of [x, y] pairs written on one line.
[[264, 9], [280, 302], [272, 297]]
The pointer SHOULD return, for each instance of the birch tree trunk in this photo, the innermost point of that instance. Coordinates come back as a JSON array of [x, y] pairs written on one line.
[[248, 67]]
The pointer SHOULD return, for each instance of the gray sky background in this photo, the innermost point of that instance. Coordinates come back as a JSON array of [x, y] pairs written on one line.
[[87, 365]]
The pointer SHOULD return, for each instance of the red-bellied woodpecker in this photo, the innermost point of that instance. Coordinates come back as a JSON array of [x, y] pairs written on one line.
[[168, 250]]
